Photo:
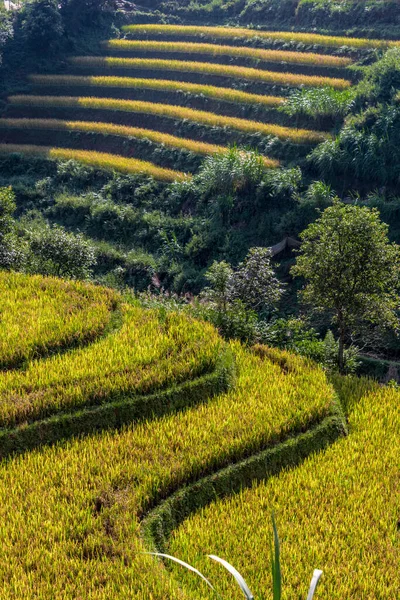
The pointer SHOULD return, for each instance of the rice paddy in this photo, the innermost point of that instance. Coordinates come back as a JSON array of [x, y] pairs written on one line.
[[240, 32], [99, 160], [301, 58], [173, 112], [337, 512], [234, 72], [166, 85], [120, 130], [89, 495]]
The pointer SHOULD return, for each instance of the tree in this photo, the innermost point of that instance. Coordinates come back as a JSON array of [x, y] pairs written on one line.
[[56, 252], [350, 269], [6, 27], [254, 281], [11, 253], [42, 25]]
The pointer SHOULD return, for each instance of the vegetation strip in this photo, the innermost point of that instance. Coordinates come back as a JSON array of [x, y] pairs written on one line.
[[238, 32], [90, 514], [345, 503], [175, 112], [144, 356], [100, 160], [270, 77], [121, 130], [160, 523], [210, 91], [71, 313], [302, 58]]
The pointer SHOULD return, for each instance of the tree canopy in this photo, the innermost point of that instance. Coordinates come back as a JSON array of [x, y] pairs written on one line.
[[350, 269]]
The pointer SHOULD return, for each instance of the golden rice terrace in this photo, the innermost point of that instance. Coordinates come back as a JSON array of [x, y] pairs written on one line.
[[186, 89], [121, 426]]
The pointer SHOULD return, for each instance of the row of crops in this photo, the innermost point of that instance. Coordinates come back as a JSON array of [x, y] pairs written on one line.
[[175, 418], [195, 90]]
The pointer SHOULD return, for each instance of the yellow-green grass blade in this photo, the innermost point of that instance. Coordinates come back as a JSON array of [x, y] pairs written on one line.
[[184, 66], [52, 314], [71, 514], [240, 32], [165, 85], [101, 160], [300, 136], [124, 131], [302, 58], [339, 510]]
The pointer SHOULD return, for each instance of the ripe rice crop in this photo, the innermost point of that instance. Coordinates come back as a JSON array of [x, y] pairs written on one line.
[[122, 130], [166, 85], [302, 58], [270, 77], [174, 112], [338, 511], [237, 32], [143, 356], [71, 514], [51, 313], [100, 160]]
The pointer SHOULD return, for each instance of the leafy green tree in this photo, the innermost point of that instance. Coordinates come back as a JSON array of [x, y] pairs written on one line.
[[254, 281], [11, 253], [350, 269], [41, 24], [6, 28], [53, 251]]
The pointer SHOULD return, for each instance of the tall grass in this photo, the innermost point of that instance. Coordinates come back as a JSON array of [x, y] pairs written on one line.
[[339, 509], [174, 112], [269, 77], [71, 514], [302, 58], [165, 85], [97, 159], [238, 32], [121, 130], [51, 313]]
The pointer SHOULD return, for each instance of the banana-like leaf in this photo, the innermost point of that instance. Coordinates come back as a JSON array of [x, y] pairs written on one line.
[[242, 584], [314, 582], [186, 565], [276, 563]]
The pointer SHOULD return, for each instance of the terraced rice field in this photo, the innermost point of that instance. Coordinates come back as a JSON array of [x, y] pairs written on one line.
[[197, 94], [165, 417]]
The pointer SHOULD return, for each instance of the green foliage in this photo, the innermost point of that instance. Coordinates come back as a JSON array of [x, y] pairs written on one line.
[[53, 251], [350, 269], [319, 102], [381, 79], [6, 29], [41, 25], [12, 252]]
